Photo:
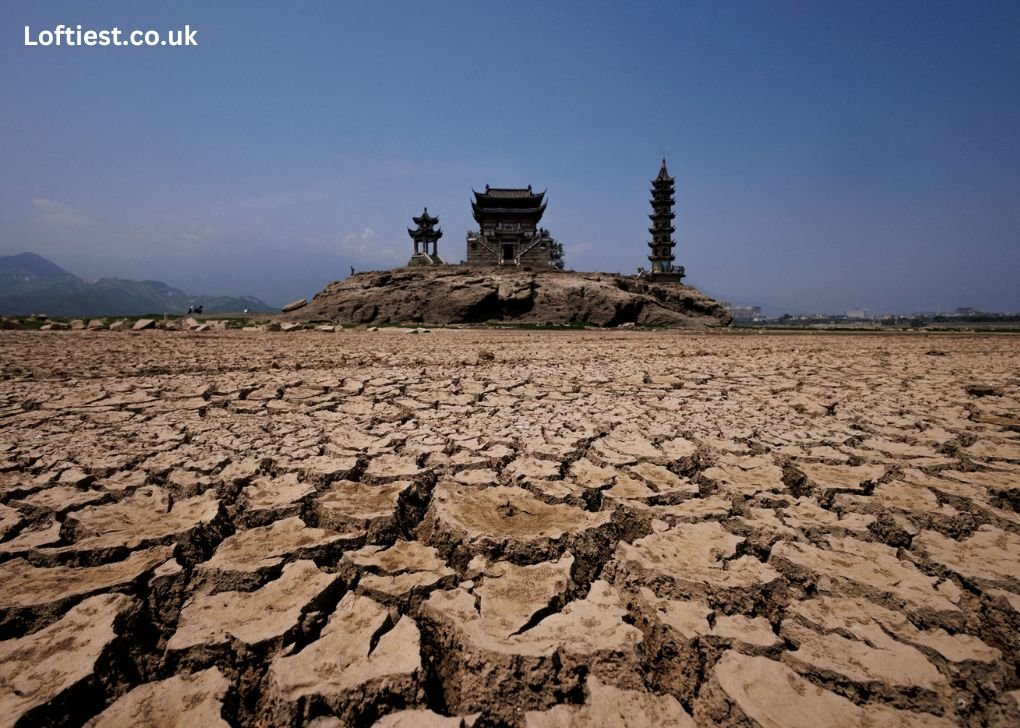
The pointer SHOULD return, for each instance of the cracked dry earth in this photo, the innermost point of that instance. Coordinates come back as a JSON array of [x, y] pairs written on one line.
[[509, 528]]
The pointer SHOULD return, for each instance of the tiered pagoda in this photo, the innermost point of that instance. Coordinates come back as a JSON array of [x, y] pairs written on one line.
[[508, 232], [662, 228], [426, 234]]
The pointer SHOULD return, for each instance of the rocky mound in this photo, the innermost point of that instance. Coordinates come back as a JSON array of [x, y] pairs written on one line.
[[461, 294]]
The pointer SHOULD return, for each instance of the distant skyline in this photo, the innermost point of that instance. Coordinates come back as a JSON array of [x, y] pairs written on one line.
[[827, 156]]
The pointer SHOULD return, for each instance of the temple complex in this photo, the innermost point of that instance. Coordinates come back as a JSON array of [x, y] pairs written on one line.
[[662, 229], [426, 235], [508, 232]]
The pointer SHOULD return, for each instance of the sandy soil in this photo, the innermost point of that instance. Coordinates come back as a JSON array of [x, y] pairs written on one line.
[[526, 528]]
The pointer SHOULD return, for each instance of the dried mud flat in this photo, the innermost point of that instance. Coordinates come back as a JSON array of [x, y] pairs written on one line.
[[509, 528]]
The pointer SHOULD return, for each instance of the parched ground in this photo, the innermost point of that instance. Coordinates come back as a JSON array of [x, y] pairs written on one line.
[[508, 527]]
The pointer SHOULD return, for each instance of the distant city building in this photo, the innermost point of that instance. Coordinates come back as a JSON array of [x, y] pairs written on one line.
[[425, 235], [967, 311], [743, 313], [858, 313], [508, 232], [662, 229]]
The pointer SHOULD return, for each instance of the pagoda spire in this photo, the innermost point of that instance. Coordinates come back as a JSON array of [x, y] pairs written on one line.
[[663, 174], [662, 229]]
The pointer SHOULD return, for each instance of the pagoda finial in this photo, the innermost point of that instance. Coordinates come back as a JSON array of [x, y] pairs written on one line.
[[663, 174]]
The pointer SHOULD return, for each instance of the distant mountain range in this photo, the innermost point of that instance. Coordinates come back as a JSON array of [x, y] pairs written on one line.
[[32, 284]]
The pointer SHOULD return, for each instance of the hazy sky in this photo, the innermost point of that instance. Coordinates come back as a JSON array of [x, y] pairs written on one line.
[[827, 155]]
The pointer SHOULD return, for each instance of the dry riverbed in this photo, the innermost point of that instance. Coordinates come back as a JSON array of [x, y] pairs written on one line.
[[470, 527]]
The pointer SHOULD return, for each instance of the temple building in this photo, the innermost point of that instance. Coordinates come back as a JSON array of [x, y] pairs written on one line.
[[508, 232], [425, 235], [662, 229]]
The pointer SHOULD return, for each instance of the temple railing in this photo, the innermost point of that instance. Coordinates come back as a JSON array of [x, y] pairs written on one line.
[[534, 241], [483, 241]]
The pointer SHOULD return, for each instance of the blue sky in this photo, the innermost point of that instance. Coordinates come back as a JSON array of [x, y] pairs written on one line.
[[827, 155]]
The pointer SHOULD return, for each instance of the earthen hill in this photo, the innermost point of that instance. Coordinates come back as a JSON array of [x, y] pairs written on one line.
[[452, 294], [512, 271]]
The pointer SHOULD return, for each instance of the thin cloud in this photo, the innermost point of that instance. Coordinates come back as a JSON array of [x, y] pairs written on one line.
[[53, 212], [367, 246], [199, 235], [576, 254], [577, 248]]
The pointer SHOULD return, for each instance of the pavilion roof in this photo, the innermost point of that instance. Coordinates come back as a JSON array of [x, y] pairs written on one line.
[[508, 197], [425, 218]]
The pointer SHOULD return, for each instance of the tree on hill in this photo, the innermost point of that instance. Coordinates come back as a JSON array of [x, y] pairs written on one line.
[[556, 254]]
